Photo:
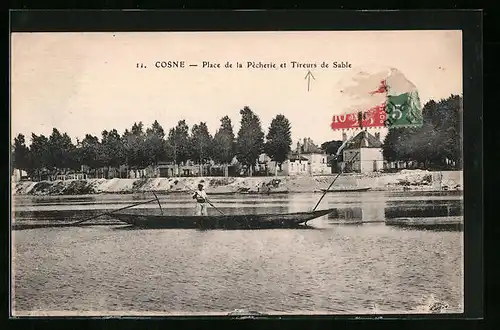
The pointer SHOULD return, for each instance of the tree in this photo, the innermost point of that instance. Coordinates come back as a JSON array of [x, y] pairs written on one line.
[[201, 143], [127, 139], [278, 140], [398, 144], [178, 138], [89, 148], [39, 154], [20, 155], [112, 149], [420, 146], [60, 151], [55, 151], [137, 129], [155, 145], [76, 156], [134, 147], [68, 152], [250, 140], [449, 129], [331, 147], [224, 142], [389, 149], [436, 143], [156, 130]]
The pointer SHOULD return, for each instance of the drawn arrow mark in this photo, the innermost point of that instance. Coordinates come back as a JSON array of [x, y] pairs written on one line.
[[308, 76]]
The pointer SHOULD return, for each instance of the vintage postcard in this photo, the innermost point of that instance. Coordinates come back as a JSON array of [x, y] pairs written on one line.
[[237, 173]]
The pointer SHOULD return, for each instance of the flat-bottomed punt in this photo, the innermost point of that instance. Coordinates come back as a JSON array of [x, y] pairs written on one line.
[[244, 221], [346, 190]]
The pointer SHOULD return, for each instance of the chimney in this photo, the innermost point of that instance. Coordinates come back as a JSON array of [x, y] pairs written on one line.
[[344, 136], [377, 136]]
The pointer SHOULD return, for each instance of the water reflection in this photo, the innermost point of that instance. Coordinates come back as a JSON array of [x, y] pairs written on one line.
[[449, 209]]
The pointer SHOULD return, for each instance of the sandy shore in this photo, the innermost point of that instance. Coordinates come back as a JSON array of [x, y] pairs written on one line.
[[413, 180]]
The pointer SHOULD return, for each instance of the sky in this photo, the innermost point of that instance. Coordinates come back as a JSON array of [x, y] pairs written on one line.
[[89, 82]]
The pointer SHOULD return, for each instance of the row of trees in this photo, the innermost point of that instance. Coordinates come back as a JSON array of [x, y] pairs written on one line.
[[435, 145], [139, 147]]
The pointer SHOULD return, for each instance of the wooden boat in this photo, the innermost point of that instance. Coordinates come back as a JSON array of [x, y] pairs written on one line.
[[346, 190], [271, 192], [225, 193], [244, 221], [247, 193]]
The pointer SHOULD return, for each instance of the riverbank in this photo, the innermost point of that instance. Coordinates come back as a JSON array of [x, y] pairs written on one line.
[[406, 180]]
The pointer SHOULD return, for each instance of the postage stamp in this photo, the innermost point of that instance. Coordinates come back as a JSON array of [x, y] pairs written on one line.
[[236, 173]]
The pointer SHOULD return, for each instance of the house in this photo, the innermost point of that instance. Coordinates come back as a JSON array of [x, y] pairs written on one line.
[[363, 153], [19, 175], [306, 159], [174, 170], [147, 172], [316, 156], [167, 170], [189, 169], [106, 172], [71, 176], [298, 164]]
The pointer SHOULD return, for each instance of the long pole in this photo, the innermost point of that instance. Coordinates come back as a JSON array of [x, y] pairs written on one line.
[[208, 201], [120, 209], [331, 184], [159, 204], [212, 205]]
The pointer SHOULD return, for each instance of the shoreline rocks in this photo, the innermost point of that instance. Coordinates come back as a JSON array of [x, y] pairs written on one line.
[[406, 180]]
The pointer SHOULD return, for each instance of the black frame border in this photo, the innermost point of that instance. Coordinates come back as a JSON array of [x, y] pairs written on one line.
[[469, 21]]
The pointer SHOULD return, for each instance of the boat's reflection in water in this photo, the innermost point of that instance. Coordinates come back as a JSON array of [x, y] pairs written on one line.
[[297, 227]]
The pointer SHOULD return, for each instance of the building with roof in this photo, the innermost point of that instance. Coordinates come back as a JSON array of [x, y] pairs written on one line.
[[306, 159], [363, 153], [19, 175]]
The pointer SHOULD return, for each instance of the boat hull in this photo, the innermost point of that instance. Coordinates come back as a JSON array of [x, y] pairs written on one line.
[[264, 192], [248, 193], [346, 190], [247, 221]]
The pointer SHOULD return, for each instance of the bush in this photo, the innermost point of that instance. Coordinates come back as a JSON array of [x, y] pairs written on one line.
[[427, 179]]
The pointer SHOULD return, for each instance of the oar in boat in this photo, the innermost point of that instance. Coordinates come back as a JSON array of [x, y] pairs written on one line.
[[208, 201], [95, 216], [120, 209], [331, 184], [159, 204]]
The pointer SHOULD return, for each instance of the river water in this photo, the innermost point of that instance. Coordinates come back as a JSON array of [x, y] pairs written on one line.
[[339, 266]]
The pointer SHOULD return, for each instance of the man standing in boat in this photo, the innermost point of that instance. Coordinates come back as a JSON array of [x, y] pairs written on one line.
[[201, 200]]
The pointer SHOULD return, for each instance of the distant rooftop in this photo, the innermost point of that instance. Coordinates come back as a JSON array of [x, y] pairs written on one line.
[[308, 147], [363, 140]]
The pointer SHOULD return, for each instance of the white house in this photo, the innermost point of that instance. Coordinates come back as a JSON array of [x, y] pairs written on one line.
[[18, 175], [307, 159], [317, 158], [318, 163], [363, 153]]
